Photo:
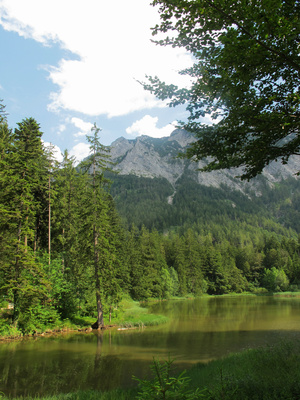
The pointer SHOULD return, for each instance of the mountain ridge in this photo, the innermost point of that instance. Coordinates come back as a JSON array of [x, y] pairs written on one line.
[[157, 158]]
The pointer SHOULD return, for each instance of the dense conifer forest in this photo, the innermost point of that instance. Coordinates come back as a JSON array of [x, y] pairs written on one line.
[[74, 239]]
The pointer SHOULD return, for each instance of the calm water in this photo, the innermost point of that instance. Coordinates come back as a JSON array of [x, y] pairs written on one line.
[[199, 330]]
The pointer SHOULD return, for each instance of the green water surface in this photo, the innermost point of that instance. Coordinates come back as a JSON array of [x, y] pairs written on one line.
[[198, 330]]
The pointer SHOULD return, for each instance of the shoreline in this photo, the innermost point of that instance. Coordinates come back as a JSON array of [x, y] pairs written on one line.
[[135, 315], [132, 317]]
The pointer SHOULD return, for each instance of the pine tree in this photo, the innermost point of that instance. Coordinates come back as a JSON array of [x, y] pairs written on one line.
[[180, 265], [7, 209], [69, 186], [97, 224], [194, 264], [134, 254], [29, 169]]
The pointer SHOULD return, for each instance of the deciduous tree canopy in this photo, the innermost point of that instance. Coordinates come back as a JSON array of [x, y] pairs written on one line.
[[245, 76]]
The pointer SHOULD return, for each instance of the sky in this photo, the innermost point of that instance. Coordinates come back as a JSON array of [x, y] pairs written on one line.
[[72, 63]]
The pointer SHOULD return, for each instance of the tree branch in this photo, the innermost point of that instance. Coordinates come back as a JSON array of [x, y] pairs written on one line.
[[242, 28]]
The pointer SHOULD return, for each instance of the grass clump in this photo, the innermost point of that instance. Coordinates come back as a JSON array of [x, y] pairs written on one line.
[[257, 374], [132, 314], [164, 386], [287, 294]]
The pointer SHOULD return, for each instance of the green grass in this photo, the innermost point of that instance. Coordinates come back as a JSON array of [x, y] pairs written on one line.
[[259, 374], [133, 314], [287, 294]]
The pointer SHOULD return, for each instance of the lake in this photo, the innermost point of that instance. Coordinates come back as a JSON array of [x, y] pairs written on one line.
[[198, 330]]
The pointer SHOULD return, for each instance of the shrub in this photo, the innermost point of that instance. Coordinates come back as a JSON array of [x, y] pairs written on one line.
[[163, 386], [275, 280]]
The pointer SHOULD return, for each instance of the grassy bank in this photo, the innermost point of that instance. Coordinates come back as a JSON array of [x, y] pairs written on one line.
[[270, 373], [287, 294], [265, 373], [133, 314], [128, 314]]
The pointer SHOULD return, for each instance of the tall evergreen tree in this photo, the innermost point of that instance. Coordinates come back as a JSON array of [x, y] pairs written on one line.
[[7, 207], [67, 215], [29, 178], [194, 264], [101, 245]]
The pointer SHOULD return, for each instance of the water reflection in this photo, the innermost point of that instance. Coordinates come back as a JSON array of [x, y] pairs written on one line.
[[198, 330]]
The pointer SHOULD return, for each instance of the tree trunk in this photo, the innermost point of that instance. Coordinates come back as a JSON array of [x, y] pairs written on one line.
[[100, 322], [49, 220], [110, 310]]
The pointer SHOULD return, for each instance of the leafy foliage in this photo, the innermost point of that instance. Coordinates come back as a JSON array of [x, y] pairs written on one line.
[[275, 280], [245, 75], [164, 386]]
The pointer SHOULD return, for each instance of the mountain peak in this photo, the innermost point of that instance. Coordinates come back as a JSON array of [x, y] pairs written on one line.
[[182, 137]]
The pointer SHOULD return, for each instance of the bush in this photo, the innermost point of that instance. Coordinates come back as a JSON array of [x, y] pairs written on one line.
[[163, 386], [37, 318], [275, 280]]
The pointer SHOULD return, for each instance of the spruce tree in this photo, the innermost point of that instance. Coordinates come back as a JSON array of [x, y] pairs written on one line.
[[66, 220], [99, 242], [29, 178], [7, 209]]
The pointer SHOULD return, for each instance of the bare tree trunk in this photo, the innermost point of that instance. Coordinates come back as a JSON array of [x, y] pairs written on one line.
[[110, 310], [49, 222], [15, 291], [26, 238], [100, 322]]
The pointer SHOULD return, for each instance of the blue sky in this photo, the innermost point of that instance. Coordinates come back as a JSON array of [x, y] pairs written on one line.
[[69, 63]]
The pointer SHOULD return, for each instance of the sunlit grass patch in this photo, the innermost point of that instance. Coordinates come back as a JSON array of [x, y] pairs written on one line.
[[287, 294], [145, 320], [133, 314]]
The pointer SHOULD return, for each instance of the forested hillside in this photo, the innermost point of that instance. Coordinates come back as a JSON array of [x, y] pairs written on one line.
[[66, 252], [155, 204], [215, 240]]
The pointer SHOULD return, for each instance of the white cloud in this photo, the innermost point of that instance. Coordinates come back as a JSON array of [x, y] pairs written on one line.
[[61, 128], [208, 120], [57, 154], [148, 126], [112, 40], [80, 151], [85, 127]]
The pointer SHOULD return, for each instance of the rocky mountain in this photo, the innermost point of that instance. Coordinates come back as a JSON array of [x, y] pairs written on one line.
[[157, 158], [157, 189]]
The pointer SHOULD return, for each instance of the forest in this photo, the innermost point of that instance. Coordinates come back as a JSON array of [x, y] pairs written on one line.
[[67, 250]]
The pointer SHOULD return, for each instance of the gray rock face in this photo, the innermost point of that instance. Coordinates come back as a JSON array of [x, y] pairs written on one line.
[[149, 157]]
